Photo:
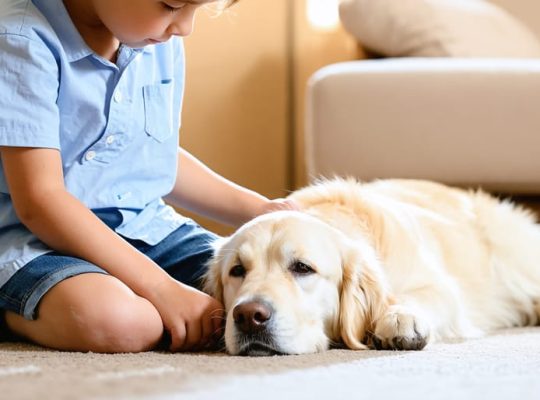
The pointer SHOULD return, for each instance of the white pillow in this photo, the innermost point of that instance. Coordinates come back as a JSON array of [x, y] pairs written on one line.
[[437, 28]]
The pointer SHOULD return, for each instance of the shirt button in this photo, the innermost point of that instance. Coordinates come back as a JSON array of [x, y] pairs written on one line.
[[118, 96], [90, 155], [110, 139]]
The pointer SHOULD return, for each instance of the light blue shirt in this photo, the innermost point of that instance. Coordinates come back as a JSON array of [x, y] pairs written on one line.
[[116, 125]]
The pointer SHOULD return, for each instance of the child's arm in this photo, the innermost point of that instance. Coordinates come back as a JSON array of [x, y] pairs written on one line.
[[203, 191], [44, 206]]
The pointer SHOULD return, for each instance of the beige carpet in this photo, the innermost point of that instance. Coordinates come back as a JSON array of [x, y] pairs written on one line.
[[505, 365]]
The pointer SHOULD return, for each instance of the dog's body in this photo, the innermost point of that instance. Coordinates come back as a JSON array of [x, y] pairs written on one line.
[[391, 264]]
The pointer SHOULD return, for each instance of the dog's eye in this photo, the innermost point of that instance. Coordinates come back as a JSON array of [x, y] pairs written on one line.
[[301, 268], [238, 271]]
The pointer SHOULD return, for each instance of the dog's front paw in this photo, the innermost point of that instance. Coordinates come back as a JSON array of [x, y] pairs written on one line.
[[400, 329]]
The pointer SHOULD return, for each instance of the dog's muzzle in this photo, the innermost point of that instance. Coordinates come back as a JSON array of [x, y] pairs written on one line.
[[252, 317], [253, 322]]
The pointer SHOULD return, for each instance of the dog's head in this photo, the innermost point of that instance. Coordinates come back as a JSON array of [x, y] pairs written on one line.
[[292, 284]]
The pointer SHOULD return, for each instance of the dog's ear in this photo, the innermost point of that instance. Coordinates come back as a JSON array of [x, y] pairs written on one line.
[[212, 283], [364, 297]]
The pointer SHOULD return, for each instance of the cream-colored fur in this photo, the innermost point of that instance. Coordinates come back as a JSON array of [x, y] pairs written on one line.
[[395, 264]]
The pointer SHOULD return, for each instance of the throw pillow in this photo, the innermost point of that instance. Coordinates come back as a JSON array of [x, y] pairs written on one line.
[[438, 28]]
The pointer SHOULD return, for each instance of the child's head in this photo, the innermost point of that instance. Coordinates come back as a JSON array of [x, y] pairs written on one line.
[[138, 23]]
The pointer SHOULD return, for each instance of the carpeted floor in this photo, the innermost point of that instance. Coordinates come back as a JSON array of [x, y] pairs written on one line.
[[505, 365], [502, 366]]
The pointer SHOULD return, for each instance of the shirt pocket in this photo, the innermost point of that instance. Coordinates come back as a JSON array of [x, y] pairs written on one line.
[[158, 110]]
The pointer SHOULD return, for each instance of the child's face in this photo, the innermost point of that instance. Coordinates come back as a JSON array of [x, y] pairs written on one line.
[[138, 23]]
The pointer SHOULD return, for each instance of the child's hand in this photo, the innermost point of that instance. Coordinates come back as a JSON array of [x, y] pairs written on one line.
[[279, 205], [192, 318]]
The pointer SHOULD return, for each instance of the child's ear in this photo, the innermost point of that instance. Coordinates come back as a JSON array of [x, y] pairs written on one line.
[[212, 283], [364, 297]]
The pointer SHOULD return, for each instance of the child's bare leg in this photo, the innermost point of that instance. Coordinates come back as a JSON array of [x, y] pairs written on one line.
[[92, 312]]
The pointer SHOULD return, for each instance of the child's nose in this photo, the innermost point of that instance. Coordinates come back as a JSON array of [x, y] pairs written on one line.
[[182, 26]]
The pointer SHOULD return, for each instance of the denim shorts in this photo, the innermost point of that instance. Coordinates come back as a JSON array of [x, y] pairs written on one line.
[[183, 254]]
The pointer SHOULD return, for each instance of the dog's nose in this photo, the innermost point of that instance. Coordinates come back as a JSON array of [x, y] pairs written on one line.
[[252, 316]]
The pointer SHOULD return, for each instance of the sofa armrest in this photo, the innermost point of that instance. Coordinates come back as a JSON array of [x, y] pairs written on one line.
[[470, 122]]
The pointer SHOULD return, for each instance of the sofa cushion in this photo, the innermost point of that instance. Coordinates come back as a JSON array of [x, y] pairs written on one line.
[[438, 28]]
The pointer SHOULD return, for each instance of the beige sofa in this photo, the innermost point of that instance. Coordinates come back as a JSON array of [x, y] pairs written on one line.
[[473, 122]]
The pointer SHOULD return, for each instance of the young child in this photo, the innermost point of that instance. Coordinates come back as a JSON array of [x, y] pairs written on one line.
[[91, 258]]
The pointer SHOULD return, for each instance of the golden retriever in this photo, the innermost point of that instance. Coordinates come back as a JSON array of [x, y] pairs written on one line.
[[392, 264]]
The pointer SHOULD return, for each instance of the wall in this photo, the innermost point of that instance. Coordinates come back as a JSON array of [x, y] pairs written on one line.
[[527, 11]]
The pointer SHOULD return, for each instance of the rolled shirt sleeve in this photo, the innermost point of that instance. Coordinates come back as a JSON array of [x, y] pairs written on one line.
[[29, 85]]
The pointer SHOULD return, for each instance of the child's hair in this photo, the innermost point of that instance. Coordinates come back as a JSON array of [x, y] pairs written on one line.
[[229, 3]]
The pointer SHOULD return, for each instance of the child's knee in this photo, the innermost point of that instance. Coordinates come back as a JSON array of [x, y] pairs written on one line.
[[95, 312], [123, 327]]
